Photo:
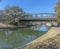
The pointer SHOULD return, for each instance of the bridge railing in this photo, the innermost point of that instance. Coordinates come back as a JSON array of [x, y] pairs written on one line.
[[41, 17]]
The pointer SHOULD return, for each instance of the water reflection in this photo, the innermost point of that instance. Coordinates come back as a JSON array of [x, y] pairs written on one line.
[[10, 39], [26, 40], [14, 38], [4, 45], [43, 28]]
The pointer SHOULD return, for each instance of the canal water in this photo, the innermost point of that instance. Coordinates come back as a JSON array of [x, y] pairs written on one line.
[[42, 28], [6, 37]]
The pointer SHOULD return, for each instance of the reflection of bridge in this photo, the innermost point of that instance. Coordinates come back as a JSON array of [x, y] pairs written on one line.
[[44, 18]]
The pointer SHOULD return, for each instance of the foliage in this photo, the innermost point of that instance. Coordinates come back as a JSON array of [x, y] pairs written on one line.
[[57, 9], [12, 15]]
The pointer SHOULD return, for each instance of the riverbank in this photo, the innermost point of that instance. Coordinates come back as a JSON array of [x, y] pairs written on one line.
[[5, 25]]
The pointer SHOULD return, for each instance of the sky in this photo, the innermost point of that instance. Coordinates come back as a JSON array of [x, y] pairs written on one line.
[[31, 6]]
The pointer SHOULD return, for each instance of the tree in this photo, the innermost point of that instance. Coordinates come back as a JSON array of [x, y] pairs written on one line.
[[11, 13], [57, 9], [1, 15], [14, 12]]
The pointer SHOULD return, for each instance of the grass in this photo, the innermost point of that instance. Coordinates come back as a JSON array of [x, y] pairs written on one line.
[[17, 36]]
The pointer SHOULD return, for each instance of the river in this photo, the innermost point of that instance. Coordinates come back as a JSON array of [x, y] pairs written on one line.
[[9, 40]]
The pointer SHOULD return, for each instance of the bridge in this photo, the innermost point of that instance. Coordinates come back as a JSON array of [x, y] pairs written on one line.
[[43, 18], [40, 17]]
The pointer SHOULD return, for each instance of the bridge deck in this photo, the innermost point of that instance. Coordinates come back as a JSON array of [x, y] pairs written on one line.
[[36, 20]]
